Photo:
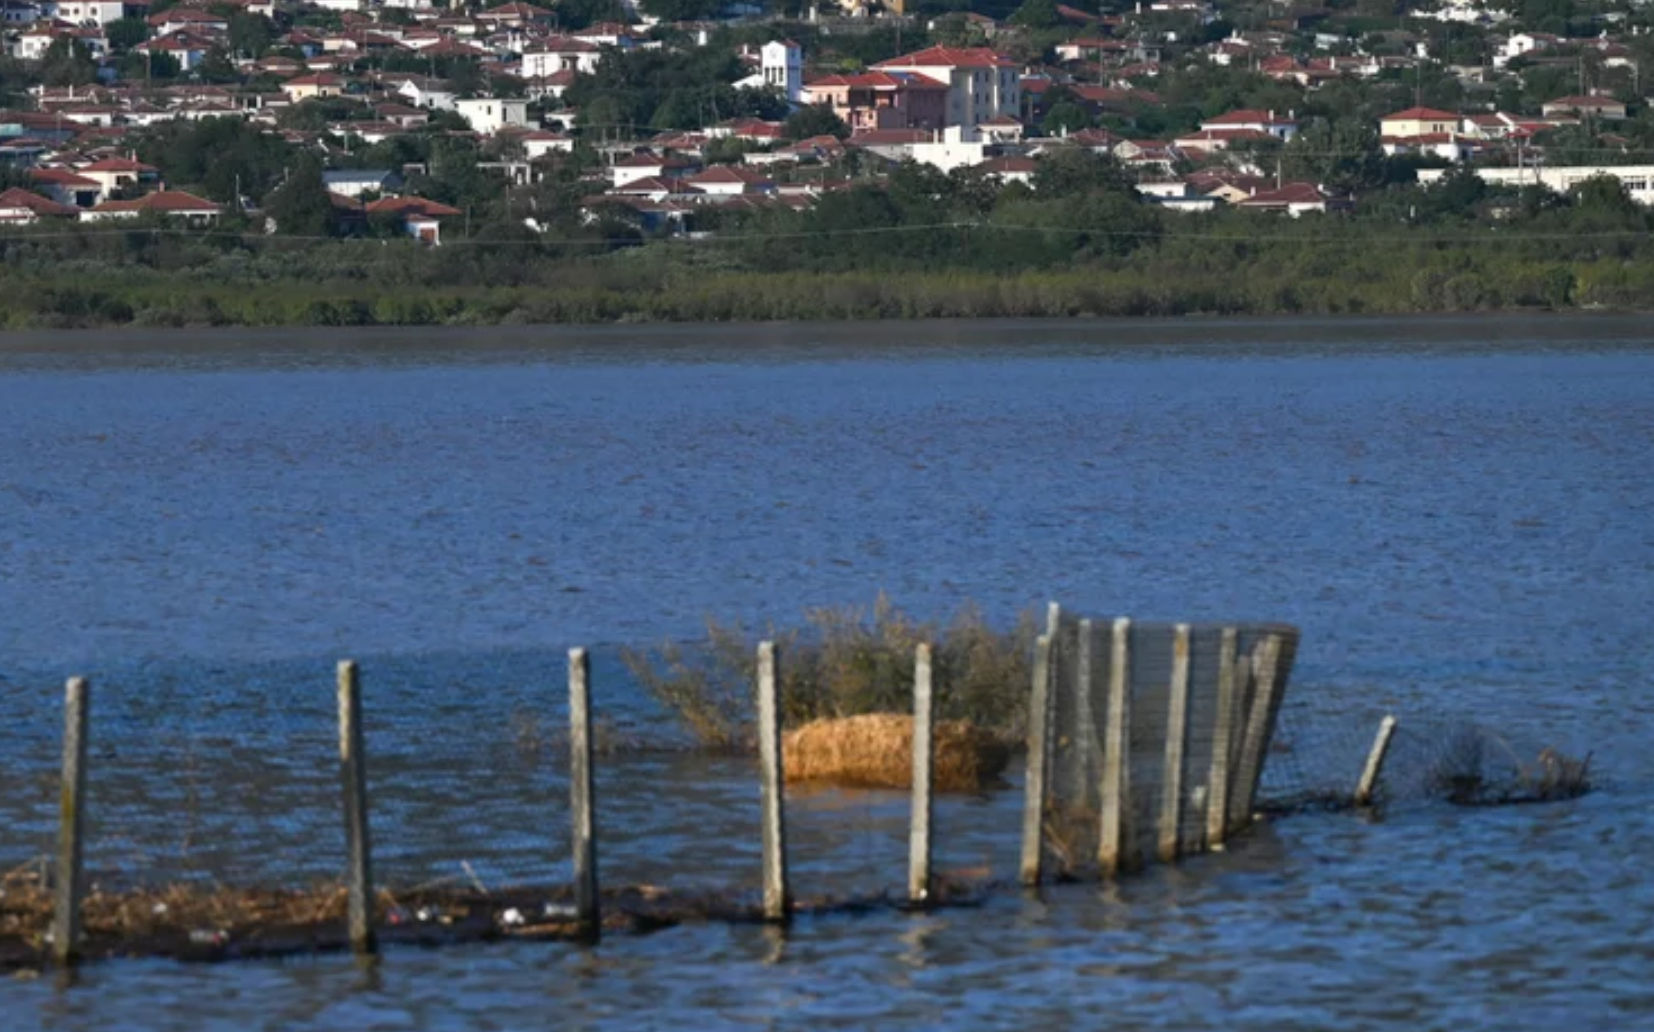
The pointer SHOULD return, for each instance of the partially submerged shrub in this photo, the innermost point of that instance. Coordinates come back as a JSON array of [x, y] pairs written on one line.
[[1481, 769], [843, 663]]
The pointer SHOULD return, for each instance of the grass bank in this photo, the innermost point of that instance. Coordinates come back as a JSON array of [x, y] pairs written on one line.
[[347, 283]]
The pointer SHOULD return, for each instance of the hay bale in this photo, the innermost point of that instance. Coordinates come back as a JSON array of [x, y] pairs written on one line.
[[875, 750]]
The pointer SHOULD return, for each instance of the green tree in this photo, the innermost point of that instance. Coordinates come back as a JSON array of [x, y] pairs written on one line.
[[141, 66], [681, 10], [1604, 196], [251, 34], [1342, 155], [466, 77], [1037, 14], [300, 206], [577, 14], [215, 66], [214, 154], [67, 62], [1077, 171], [1065, 116], [125, 33], [814, 120]]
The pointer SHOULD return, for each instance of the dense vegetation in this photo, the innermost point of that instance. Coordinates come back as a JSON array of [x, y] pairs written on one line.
[[1080, 242]]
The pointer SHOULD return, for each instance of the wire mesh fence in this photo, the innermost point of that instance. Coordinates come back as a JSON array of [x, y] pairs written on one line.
[[214, 797], [1117, 679]]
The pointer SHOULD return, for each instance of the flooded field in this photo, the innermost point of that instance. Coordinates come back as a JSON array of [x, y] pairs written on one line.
[[1453, 511]]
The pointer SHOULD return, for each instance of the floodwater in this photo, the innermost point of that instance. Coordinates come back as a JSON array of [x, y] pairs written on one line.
[[1456, 512]]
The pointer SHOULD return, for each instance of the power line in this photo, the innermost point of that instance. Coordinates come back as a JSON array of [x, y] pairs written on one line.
[[1421, 235]]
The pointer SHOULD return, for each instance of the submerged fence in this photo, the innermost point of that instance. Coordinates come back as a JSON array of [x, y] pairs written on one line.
[[224, 812]]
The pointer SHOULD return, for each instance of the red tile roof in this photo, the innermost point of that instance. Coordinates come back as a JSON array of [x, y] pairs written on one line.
[[410, 206], [1248, 116], [1289, 193], [63, 177], [166, 202], [880, 81], [949, 57], [17, 197], [118, 165], [1421, 114]]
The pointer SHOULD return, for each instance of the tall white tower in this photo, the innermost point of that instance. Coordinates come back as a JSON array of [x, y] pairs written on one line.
[[781, 62]]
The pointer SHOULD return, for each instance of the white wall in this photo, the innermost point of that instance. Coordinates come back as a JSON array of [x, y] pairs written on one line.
[[1638, 180]]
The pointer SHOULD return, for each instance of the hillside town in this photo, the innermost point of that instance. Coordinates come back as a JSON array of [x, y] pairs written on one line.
[[406, 117]]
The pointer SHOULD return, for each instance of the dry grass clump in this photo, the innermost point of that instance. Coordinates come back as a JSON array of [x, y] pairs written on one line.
[[846, 662], [875, 750]]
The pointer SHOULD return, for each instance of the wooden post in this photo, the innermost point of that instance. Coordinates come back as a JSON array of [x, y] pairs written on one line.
[[1223, 733], [71, 824], [353, 772], [1265, 664], [1375, 762], [1177, 733], [918, 841], [1033, 804], [1115, 842], [777, 901], [582, 806]]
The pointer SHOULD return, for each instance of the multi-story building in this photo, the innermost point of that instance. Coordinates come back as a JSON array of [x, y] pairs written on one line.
[[982, 85]]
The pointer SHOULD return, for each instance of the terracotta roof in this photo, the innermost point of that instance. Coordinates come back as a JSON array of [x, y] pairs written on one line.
[[515, 10], [1422, 114], [656, 184], [118, 165], [563, 45], [1248, 116], [729, 174], [17, 197], [1289, 193], [880, 81], [877, 137], [317, 79], [172, 202], [63, 177], [951, 57], [410, 206], [1584, 102]]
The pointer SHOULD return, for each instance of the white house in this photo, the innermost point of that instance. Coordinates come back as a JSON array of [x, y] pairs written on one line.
[[731, 181], [1176, 195], [18, 12], [1281, 126], [558, 53], [354, 182], [433, 95], [1638, 180], [537, 143], [956, 146], [780, 68], [488, 115], [645, 165], [33, 44], [982, 85], [608, 34], [85, 12], [1524, 43]]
